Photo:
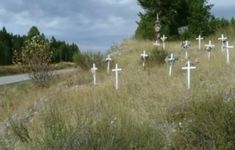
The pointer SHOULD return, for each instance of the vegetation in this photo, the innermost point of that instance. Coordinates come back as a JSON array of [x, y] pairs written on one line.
[[86, 59], [150, 110], [194, 14], [208, 124], [158, 56], [37, 56], [13, 44]]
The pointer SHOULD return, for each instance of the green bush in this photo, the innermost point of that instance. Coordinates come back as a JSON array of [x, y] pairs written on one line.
[[158, 56], [209, 124], [86, 59]]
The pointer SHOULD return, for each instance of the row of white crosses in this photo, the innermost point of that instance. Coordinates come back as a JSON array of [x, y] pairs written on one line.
[[170, 59], [224, 45], [116, 70], [224, 40], [188, 67]]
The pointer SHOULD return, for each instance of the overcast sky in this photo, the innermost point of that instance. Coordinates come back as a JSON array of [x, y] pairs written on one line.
[[92, 24]]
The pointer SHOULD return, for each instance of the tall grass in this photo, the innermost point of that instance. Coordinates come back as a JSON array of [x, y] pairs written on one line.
[[149, 111]]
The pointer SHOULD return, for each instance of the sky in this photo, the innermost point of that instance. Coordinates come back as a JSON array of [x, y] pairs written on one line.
[[92, 24]]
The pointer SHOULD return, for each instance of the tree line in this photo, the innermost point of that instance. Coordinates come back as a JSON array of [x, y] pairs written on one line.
[[11, 44], [193, 14]]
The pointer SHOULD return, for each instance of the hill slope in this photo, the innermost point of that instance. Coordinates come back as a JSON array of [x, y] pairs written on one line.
[[150, 111]]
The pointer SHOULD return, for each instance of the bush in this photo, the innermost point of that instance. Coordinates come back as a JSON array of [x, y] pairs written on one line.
[[86, 59], [36, 56], [158, 56], [206, 125]]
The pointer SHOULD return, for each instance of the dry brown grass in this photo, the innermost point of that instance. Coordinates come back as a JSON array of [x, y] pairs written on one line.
[[145, 99]]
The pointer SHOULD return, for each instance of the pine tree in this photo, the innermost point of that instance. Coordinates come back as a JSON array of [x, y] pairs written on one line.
[[33, 31], [192, 13]]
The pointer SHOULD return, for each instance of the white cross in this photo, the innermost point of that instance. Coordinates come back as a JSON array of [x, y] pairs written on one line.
[[222, 39], [209, 48], [199, 39], [227, 46], [186, 45], [108, 60], [163, 38], [188, 68], [171, 60], [93, 71], [144, 56], [116, 70]]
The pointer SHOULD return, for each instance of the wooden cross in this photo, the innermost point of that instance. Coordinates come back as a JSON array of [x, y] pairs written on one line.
[[163, 38], [143, 57], [227, 46], [209, 48], [222, 39], [188, 67], [108, 60], [116, 70], [93, 71], [199, 39]]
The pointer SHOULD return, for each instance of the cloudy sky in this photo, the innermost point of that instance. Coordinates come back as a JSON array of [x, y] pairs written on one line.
[[92, 24]]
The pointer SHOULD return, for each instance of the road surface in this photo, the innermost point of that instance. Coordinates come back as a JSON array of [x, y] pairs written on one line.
[[25, 77]]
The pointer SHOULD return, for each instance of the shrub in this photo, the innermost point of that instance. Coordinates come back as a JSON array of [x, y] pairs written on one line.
[[206, 125], [86, 59], [36, 56], [158, 56]]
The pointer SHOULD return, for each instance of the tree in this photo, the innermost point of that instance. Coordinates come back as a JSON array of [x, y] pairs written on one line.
[[33, 31], [5, 47], [192, 13], [11, 46], [36, 55]]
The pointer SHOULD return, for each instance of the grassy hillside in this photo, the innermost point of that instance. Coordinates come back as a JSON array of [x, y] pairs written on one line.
[[150, 111]]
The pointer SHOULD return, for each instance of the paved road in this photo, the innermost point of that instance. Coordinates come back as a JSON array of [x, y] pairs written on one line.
[[25, 77]]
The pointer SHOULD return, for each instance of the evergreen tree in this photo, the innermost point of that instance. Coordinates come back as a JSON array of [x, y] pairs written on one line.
[[192, 13], [33, 31], [11, 45]]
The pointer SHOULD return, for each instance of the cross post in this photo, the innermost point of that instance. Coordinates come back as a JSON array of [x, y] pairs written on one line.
[[209, 47], [163, 38], [108, 60], [93, 71], [222, 39], [227, 46], [188, 67], [116, 70], [144, 56], [199, 39]]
